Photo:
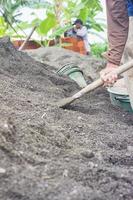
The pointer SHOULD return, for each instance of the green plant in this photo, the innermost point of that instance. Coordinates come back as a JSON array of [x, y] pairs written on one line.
[[60, 14], [9, 11], [98, 48], [3, 26]]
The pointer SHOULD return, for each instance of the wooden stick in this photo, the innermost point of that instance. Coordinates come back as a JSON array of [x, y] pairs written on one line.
[[27, 39]]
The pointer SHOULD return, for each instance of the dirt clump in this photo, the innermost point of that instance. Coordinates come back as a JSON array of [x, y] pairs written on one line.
[[82, 153]]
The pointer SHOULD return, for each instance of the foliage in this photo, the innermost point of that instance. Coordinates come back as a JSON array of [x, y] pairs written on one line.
[[98, 48], [3, 26], [10, 10], [58, 16]]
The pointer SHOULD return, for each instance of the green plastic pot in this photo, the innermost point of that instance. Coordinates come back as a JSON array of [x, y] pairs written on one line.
[[120, 98], [74, 73]]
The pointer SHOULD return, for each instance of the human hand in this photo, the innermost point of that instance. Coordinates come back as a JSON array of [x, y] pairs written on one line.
[[108, 75]]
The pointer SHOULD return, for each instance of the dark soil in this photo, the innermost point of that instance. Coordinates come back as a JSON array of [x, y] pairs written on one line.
[[46, 153]]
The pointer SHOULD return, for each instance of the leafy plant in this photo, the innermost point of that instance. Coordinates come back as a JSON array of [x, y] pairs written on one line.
[[3, 26], [98, 48], [10, 10], [60, 14]]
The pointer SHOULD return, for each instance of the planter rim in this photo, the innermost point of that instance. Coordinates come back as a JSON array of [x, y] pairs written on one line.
[[118, 91]]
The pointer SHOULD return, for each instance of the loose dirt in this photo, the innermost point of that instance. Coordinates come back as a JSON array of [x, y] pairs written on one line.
[[46, 153], [56, 57]]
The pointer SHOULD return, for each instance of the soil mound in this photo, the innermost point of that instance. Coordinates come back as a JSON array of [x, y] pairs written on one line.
[[57, 57], [82, 153]]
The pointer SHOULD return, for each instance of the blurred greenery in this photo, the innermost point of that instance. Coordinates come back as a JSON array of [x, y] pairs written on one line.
[[98, 48], [58, 16]]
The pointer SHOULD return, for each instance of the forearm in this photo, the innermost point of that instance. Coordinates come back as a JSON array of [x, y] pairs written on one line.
[[117, 19]]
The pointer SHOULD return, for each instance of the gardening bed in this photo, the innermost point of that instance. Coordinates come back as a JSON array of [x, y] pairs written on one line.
[[46, 153]]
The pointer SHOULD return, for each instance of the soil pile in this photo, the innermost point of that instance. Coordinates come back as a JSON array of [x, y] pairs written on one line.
[[82, 153], [57, 57]]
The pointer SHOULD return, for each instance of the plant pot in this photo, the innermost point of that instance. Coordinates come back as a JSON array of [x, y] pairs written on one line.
[[74, 73], [74, 45], [31, 44], [119, 97], [81, 47]]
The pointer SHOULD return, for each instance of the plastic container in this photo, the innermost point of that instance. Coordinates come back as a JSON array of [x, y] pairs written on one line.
[[119, 97], [74, 45], [74, 73]]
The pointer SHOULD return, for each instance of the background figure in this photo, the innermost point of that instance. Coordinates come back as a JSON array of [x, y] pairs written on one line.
[[82, 32], [79, 31], [70, 33]]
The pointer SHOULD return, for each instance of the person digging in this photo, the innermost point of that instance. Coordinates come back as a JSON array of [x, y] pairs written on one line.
[[120, 38], [120, 35]]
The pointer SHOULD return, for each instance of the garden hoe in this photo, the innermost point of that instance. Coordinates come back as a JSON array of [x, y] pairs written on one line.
[[66, 101]]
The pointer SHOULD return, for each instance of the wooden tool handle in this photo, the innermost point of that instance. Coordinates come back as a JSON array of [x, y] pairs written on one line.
[[88, 88], [27, 39], [125, 67], [99, 82]]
